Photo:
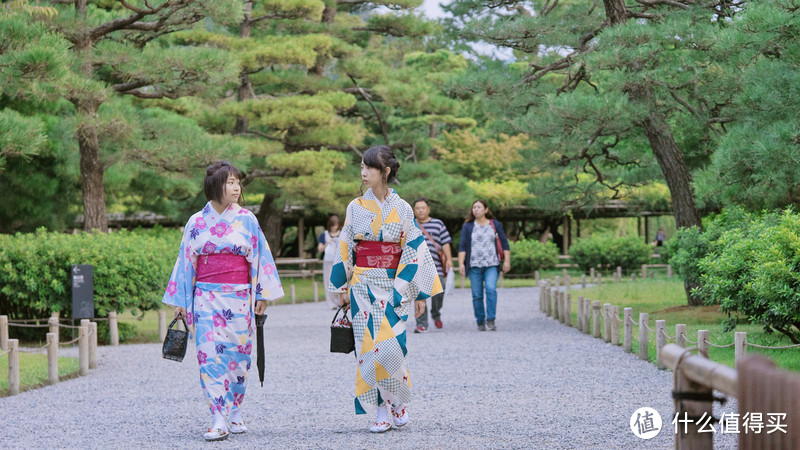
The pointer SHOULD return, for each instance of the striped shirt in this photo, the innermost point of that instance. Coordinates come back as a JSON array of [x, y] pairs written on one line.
[[438, 231]]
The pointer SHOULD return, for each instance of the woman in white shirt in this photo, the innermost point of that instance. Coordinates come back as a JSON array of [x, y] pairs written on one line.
[[329, 244]]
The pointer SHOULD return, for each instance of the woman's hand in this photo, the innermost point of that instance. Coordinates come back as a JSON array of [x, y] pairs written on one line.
[[419, 308], [506, 266], [261, 306], [461, 270], [344, 301], [180, 311]]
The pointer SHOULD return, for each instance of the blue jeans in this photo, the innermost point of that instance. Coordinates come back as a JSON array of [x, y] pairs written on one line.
[[478, 277]]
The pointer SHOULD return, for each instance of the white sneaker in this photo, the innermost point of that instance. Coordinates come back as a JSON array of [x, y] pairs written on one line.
[[400, 415], [238, 428], [216, 434]]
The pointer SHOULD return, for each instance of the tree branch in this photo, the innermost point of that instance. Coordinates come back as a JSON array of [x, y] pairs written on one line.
[[366, 97], [126, 22]]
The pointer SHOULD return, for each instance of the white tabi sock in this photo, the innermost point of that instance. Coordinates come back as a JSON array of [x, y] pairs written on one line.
[[236, 416], [383, 414], [218, 421]]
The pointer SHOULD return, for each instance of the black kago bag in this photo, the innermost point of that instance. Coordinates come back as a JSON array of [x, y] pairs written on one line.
[[175, 343], [342, 339]]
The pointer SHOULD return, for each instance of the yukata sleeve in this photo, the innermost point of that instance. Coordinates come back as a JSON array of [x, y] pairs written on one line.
[[264, 276], [180, 287], [417, 278], [344, 260]]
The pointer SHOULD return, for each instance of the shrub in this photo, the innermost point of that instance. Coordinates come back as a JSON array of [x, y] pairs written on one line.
[[528, 256], [130, 271], [607, 251], [754, 270]]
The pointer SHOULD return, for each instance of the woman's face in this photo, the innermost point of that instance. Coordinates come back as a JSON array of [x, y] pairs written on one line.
[[370, 176], [231, 191], [478, 210]]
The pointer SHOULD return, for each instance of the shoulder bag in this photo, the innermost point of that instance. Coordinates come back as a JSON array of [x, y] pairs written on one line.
[[500, 254]]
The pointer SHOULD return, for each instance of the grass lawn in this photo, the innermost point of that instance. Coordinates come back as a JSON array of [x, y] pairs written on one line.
[[33, 371], [665, 299]]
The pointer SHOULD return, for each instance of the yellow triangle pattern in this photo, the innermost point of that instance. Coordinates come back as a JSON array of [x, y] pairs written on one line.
[[361, 385], [367, 344], [385, 332], [380, 372], [408, 376], [373, 207], [393, 217], [343, 250]]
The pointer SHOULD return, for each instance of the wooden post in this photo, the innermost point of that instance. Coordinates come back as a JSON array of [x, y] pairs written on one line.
[[740, 347], [316, 291], [596, 318], [536, 276], [293, 295], [580, 313], [93, 345], [627, 340], [619, 273], [53, 323], [557, 283], [607, 322], [13, 367], [643, 319], [680, 335], [568, 282], [688, 409], [599, 277], [661, 341], [4, 333], [564, 273], [669, 270], [702, 344], [113, 328], [52, 358], [162, 325], [562, 317], [587, 309], [568, 309], [583, 281], [614, 311], [591, 274], [633, 276], [644, 271], [83, 349]]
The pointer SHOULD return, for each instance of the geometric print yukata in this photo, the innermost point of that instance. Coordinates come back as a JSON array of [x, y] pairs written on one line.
[[379, 298], [221, 315]]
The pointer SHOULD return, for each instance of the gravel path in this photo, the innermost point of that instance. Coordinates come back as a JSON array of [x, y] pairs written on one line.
[[532, 384]]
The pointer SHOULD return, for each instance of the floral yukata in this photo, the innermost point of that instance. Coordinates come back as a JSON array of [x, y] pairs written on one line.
[[379, 298], [220, 314]]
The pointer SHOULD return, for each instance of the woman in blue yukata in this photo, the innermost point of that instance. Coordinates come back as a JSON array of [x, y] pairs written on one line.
[[224, 275], [382, 265]]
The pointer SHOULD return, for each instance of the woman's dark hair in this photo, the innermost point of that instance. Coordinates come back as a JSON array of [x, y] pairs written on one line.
[[380, 157], [471, 217], [217, 176], [333, 220]]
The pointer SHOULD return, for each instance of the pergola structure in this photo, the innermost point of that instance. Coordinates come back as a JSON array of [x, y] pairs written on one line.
[[299, 217]]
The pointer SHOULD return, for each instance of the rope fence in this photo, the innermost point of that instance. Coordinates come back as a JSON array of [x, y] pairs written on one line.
[[705, 341]]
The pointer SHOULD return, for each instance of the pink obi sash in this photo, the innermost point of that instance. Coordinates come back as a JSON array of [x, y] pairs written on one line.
[[223, 268], [378, 255]]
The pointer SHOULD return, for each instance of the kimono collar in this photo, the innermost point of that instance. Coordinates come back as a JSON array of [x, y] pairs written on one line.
[[229, 213], [389, 197]]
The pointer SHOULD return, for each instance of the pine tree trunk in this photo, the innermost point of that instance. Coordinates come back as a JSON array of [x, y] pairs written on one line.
[[669, 156], [92, 189], [269, 217], [328, 15], [243, 93]]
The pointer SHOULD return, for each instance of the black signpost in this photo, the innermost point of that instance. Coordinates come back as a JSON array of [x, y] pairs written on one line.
[[82, 292]]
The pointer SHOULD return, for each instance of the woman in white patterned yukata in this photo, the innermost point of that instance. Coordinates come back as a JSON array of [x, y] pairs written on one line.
[[383, 264], [224, 275]]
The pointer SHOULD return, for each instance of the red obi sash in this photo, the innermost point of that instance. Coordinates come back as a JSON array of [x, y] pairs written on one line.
[[378, 255], [223, 268]]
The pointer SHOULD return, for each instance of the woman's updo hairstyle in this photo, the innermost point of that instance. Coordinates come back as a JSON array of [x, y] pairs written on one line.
[[380, 157], [217, 176]]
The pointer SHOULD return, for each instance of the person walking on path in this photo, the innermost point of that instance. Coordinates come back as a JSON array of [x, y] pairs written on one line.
[[224, 275], [329, 244], [382, 266], [438, 240], [482, 250]]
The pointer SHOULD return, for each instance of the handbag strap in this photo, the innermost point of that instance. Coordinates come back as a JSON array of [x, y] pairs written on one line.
[[175, 320], [428, 235], [337, 314]]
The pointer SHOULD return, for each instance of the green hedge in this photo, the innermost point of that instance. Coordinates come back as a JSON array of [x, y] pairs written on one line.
[[750, 266], [528, 256], [606, 251], [130, 270]]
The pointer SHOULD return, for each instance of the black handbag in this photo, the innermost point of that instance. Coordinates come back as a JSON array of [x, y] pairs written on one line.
[[174, 347], [342, 339]]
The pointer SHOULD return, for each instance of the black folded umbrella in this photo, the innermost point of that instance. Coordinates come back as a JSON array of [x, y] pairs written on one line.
[[260, 319]]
